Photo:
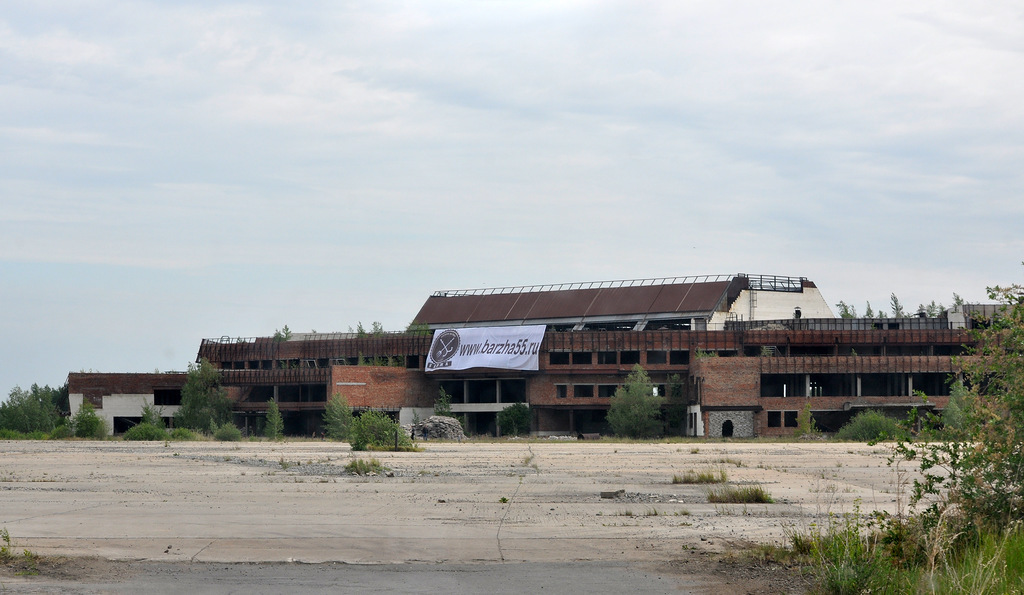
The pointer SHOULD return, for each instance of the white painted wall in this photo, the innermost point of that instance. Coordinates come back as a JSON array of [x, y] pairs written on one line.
[[774, 305], [122, 406], [406, 415]]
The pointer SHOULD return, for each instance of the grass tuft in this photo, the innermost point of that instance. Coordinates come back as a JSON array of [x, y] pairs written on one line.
[[365, 466], [740, 495], [703, 476]]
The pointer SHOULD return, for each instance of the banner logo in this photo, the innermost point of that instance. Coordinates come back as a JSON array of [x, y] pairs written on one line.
[[444, 348], [501, 347]]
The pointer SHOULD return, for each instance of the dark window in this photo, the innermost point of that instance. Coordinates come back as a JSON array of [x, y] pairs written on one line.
[[606, 391], [583, 391], [481, 391], [561, 391], [513, 391], [679, 358], [456, 389], [558, 358], [607, 357], [582, 357], [412, 361], [774, 419], [166, 397], [657, 357], [628, 358], [791, 418]]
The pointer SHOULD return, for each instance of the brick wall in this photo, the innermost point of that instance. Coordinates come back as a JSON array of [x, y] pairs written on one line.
[[729, 381], [382, 387]]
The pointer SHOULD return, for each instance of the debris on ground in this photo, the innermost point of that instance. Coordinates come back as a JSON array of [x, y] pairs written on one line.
[[436, 427]]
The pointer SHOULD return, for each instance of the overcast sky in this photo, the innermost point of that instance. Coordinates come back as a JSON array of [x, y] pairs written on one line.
[[171, 171]]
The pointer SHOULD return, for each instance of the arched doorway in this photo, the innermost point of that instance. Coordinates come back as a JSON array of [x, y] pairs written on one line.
[[727, 428]]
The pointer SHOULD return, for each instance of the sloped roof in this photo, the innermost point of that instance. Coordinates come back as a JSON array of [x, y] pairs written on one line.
[[676, 296]]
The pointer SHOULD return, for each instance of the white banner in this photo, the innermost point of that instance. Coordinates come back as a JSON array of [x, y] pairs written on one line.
[[502, 347]]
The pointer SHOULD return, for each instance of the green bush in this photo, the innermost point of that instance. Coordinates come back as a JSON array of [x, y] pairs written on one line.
[[847, 561], [228, 432], [514, 420], [145, 431], [61, 432], [870, 425], [183, 434], [87, 424], [376, 431]]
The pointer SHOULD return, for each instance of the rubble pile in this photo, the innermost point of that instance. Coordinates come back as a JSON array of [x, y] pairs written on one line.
[[437, 427]]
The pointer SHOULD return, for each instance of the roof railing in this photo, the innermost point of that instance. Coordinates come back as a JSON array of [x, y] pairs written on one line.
[[583, 285]]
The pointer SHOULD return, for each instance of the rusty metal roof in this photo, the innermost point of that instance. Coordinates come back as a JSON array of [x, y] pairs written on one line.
[[634, 299]]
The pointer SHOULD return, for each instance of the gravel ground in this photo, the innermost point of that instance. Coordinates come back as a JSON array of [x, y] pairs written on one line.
[[215, 511]]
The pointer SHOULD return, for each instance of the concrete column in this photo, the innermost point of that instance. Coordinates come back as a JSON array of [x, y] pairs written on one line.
[[858, 385]]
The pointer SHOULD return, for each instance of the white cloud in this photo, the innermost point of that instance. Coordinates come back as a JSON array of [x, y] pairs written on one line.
[[330, 145]]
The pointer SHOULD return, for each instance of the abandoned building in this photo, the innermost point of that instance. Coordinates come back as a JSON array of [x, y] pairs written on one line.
[[734, 355]]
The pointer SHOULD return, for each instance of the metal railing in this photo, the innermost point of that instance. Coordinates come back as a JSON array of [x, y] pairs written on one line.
[[584, 285]]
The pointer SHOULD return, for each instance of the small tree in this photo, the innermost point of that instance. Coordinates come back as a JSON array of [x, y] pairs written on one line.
[[514, 420], [204, 403], [337, 418], [897, 307], [846, 310], [275, 424], [283, 334], [153, 416], [635, 407], [805, 425], [87, 424], [675, 406], [443, 404]]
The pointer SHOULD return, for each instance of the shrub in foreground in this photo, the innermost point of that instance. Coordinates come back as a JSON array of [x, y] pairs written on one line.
[[228, 432], [87, 424], [61, 432], [514, 420], [870, 425], [183, 434], [145, 431], [376, 431]]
